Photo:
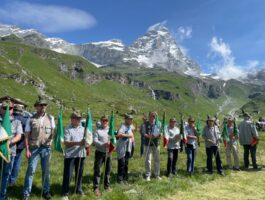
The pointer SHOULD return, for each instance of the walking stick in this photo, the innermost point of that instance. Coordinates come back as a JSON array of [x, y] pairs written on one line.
[[2, 171]]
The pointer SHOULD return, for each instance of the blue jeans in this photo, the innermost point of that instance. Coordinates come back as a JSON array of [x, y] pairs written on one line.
[[191, 155], [44, 154], [7, 169], [16, 167]]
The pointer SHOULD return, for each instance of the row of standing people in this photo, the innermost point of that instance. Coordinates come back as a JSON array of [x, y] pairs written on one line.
[[39, 130]]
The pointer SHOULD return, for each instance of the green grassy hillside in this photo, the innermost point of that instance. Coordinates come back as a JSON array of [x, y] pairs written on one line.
[[28, 71]]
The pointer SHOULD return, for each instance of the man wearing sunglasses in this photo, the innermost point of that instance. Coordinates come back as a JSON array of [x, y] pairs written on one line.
[[16, 128], [38, 138]]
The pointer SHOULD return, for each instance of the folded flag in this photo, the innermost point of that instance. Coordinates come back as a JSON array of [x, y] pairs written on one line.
[[59, 134], [163, 126], [89, 130], [111, 133], [5, 134]]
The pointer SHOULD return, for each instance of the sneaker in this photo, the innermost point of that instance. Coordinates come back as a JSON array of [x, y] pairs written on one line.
[[158, 178], [65, 198], [81, 193], [97, 192], [236, 169], [208, 172], [147, 178], [108, 189], [47, 196], [221, 173]]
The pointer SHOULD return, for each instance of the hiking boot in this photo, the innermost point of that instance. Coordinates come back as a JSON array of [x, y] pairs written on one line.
[[147, 178], [47, 196]]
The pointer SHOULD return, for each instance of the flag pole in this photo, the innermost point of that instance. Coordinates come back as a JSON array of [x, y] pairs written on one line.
[[2, 171], [79, 161]]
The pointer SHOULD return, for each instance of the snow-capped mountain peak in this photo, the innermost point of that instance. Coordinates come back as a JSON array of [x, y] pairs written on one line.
[[115, 44], [156, 48]]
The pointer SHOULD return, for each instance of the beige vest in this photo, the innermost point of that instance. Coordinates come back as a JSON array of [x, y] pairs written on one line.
[[41, 135]]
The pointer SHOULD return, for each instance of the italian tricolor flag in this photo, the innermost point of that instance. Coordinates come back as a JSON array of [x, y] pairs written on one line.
[[163, 126]]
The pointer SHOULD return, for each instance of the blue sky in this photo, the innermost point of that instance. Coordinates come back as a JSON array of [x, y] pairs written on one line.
[[218, 34]]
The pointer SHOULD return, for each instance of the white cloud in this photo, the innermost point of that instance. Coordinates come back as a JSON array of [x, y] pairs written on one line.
[[157, 25], [184, 33], [46, 18], [227, 68]]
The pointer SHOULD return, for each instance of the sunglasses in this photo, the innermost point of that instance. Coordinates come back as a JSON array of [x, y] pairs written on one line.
[[104, 120], [4, 108], [42, 105]]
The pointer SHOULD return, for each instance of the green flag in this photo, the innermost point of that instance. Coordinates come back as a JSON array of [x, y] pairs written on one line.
[[89, 122], [225, 134], [6, 123], [5, 134], [235, 128], [198, 126], [182, 128], [59, 134], [112, 132], [163, 129], [157, 120], [88, 132]]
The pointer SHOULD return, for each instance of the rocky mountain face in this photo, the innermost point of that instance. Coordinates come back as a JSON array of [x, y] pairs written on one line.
[[156, 48]]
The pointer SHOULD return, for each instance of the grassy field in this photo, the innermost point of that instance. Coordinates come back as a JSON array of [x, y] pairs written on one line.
[[240, 185]]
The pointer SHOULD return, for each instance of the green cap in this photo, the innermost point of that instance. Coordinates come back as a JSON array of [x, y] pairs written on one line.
[[76, 114], [40, 101], [18, 108], [104, 117], [128, 116], [211, 119], [191, 119], [173, 119]]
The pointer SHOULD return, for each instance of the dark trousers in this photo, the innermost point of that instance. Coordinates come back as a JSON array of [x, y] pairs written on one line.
[[101, 158], [252, 150], [191, 156], [69, 164], [214, 151], [172, 161], [142, 146], [123, 167]]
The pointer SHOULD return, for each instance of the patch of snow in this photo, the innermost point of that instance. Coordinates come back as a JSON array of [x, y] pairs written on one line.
[[59, 50], [96, 65]]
